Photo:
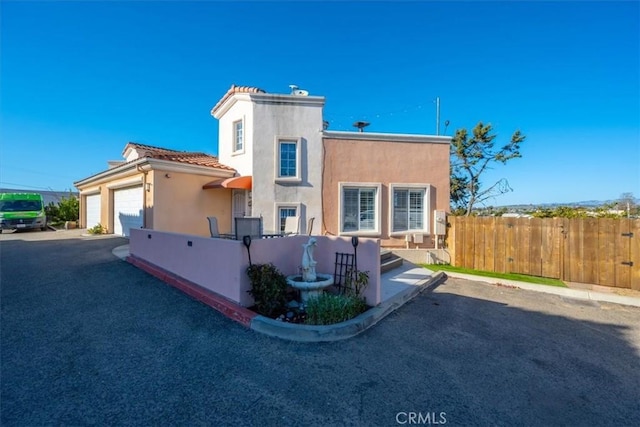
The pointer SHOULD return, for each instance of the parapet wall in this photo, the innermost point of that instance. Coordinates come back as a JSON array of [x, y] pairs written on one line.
[[220, 265]]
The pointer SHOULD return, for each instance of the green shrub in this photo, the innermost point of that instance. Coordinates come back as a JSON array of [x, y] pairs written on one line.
[[328, 309], [268, 288], [52, 212], [97, 229], [356, 282], [69, 208]]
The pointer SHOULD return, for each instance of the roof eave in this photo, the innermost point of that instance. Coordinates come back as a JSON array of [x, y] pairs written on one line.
[[174, 166], [389, 137], [112, 173], [220, 109], [284, 99], [146, 164]]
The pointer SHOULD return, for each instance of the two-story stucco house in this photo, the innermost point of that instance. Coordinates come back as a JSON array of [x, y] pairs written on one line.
[[352, 183], [277, 141], [276, 159]]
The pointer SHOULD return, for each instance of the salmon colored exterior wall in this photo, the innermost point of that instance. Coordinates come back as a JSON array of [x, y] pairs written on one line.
[[185, 206], [106, 197], [384, 162]]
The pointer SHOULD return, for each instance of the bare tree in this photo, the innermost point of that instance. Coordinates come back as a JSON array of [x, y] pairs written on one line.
[[627, 202]]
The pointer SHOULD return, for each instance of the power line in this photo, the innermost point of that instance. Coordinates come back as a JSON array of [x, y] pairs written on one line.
[[344, 120], [27, 186], [36, 172]]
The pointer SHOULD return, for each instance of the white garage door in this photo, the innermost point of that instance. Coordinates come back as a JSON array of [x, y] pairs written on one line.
[[127, 210], [93, 210]]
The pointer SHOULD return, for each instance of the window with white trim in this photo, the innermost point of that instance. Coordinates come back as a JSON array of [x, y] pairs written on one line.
[[359, 208], [409, 209], [238, 136], [288, 160], [288, 163], [283, 213]]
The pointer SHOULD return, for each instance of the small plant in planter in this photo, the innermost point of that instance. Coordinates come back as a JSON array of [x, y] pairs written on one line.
[[268, 288], [356, 282], [328, 309], [97, 229]]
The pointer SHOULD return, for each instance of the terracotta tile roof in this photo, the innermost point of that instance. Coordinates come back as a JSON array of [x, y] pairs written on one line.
[[200, 159], [236, 89], [190, 157], [150, 148]]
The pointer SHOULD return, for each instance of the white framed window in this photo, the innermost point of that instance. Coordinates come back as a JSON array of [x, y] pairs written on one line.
[[360, 208], [288, 160], [283, 214], [238, 136], [284, 210], [409, 208]]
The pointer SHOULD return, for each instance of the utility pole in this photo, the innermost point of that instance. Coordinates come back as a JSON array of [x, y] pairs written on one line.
[[438, 115]]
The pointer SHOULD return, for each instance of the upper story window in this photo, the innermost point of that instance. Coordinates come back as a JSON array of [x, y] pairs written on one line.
[[359, 208], [409, 209], [238, 136], [288, 162]]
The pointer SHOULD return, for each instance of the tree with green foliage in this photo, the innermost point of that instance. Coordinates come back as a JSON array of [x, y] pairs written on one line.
[[52, 212], [69, 208], [560, 212], [605, 211], [471, 156], [459, 193]]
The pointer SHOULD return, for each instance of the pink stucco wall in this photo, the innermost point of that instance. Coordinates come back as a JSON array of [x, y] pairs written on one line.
[[385, 163], [220, 265]]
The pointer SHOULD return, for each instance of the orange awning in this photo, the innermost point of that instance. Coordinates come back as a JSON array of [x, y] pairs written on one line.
[[239, 182]]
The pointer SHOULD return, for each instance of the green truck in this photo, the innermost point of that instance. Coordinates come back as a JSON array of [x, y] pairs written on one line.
[[22, 211]]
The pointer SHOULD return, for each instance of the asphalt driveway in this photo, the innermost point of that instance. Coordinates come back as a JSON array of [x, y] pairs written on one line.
[[87, 339]]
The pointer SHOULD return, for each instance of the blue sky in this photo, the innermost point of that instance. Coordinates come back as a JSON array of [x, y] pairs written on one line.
[[81, 79]]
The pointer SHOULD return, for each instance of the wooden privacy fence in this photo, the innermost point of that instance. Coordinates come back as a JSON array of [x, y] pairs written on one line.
[[600, 251]]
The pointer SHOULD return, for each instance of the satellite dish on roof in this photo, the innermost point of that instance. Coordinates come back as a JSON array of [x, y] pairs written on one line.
[[361, 125], [300, 92]]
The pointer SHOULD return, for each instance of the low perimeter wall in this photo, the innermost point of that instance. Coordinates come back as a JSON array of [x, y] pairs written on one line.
[[220, 265]]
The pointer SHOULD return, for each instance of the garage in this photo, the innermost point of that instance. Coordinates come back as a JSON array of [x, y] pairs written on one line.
[[127, 209], [93, 210]]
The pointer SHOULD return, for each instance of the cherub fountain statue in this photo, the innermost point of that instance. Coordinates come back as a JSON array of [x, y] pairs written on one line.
[[309, 283]]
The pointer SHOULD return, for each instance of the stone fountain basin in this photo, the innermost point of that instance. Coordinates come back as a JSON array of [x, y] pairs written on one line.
[[310, 289]]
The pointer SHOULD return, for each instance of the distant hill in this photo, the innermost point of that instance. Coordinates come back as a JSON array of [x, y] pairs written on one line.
[[584, 203], [47, 196]]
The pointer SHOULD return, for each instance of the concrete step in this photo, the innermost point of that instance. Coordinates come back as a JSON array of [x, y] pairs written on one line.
[[385, 255], [389, 261]]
